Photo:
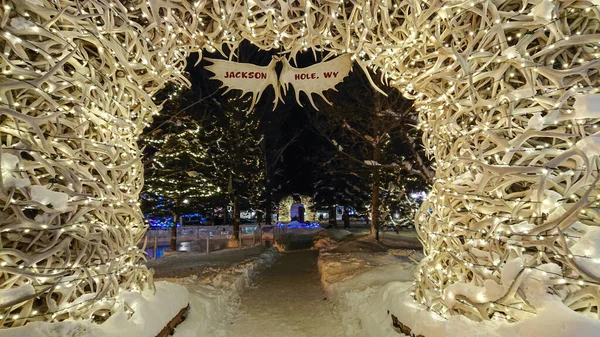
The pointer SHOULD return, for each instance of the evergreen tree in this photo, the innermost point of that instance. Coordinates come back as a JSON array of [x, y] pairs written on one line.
[[235, 153], [175, 162]]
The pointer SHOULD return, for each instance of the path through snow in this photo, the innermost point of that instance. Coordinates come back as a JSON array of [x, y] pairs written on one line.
[[287, 301]]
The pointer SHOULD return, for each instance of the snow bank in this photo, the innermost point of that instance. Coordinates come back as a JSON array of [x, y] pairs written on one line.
[[9, 164], [41, 194], [214, 299], [554, 320], [313, 238], [299, 238], [352, 281], [152, 312], [365, 300]]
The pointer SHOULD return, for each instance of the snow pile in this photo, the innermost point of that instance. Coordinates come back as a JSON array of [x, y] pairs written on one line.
[[367, 288], [313, 238], [553, 320], [215, 298], [330, 238], [352, 277], [10, 176], [324, 242], [543, 11], [585, 248], [152, 312], [298, 238], [41, 194]]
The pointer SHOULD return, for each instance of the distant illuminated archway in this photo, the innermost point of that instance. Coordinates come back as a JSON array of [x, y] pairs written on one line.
[[286, 213], [506, 92]]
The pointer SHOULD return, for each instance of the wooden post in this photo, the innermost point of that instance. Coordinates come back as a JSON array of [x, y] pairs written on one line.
[[240, 238], [253, 238], [155, 245], [208, 242]]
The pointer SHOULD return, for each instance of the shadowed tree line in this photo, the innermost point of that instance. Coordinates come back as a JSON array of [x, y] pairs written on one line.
[[207, 149]]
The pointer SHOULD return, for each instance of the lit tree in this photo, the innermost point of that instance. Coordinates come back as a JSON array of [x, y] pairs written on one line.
[[258, 144], [235, 153], [175, 162]]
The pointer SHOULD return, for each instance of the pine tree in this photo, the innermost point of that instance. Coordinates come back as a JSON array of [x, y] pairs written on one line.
[[175, 162], [235, 153]]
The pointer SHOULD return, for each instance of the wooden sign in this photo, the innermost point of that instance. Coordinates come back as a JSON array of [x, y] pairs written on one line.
[[250, 78], [316, 78]]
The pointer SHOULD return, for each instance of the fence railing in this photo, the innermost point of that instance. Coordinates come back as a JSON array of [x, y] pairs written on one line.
[[205, 238]]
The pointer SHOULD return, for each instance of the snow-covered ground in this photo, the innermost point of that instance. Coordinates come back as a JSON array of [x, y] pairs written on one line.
[[183, 264], [287, 301], [368, 283], [353, 272], [215, 282], [151, 312], [256, 292], [210, 283]]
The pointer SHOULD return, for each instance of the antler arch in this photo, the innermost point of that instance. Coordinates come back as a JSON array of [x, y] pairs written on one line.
[[496, 85]]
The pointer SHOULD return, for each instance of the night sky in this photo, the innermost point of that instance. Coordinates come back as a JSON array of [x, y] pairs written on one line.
[[298, 160]]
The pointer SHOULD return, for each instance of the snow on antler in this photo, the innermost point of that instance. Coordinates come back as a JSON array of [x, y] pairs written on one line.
[[510, 216], [513, 211], [77, 79]]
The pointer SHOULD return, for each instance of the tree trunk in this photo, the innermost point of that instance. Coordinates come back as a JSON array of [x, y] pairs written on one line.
[[259, 218], [375, 196], [173, 243], [269, 206], [333, 217], [236, 217]]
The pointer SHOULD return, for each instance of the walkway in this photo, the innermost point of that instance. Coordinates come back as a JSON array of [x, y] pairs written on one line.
[[287, 301]]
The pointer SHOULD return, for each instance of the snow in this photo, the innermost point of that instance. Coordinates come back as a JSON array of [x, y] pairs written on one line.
[[352, 290], [512, 52], [41, 194], [536, 122], [287, 301], [299, 238], [543, 11], [21, 23], [314, 238], [9, 163], [491, 291], [215, 297], [211, 288], [588, 245], [586, 106], [590, 145], [368, 287], [553, 320], [152, 311], [184, 264], [353, 273]]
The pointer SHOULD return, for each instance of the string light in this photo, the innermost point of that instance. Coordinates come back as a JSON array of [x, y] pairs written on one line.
[[462, 83]]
